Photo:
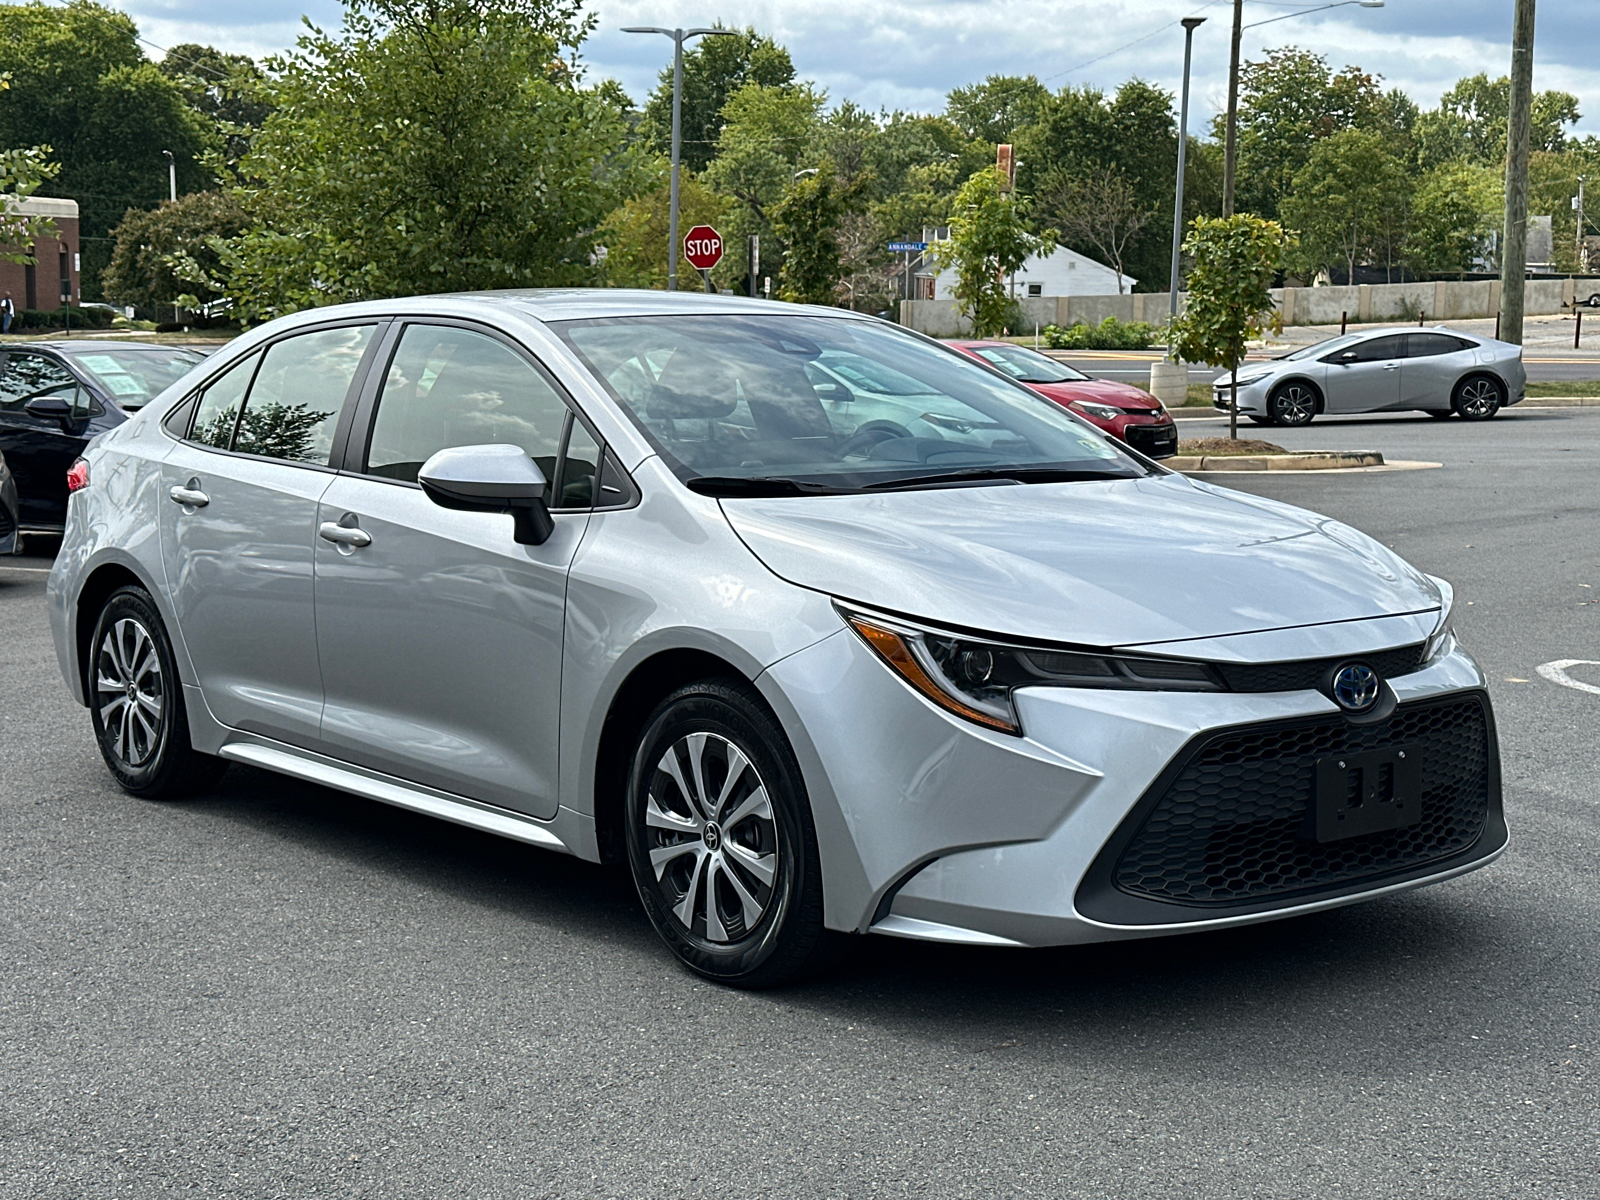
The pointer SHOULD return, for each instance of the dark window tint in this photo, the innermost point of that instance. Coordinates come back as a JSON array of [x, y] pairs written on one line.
[[295, 400], [452, 387], [578, 469], [1377, 350], [1426, 345], [27, 376], [218, 410]]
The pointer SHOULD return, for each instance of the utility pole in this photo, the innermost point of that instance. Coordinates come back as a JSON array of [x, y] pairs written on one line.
[[1230, 159], [1581, 260], [1514, 259], [678, 36]]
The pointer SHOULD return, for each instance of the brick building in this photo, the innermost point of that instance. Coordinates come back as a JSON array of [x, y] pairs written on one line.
[[56, 274]]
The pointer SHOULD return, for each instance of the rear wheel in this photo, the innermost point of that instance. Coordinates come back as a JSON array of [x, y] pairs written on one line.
[[136, 703], [1294, 403], [1477, 398], [720, 839]]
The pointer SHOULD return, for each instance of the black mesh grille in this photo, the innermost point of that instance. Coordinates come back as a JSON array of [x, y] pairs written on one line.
[[1312, 672], [1230, 827], [5, 523]]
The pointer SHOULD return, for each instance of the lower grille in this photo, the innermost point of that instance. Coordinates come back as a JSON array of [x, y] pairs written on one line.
[[1227, 825]]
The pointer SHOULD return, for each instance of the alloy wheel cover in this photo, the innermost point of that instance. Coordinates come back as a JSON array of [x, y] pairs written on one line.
[[1296, 404], [130, 691], [1478, 397], [711, 835]]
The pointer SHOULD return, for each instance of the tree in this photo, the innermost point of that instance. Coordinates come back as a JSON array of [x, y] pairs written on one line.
[[1349, 202], [807, 220], [23, 172], [989, 239], [81, 84], [432, 145], [1470, 122], [1456, 207], [714, 69], [165, 254], [998, 108], [1230, 297], [1100, 208], [635, 233], [229, 92]]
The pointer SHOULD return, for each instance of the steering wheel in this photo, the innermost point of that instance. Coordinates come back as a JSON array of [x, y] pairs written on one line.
[[863, 440]]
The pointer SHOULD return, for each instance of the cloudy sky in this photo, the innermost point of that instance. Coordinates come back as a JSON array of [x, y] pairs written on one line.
[[908, 54]]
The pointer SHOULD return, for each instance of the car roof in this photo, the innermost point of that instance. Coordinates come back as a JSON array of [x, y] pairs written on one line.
[[71, 348]]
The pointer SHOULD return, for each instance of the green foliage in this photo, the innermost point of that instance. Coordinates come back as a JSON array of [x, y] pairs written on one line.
[[1099, 208], [228, 91], [63, 318], [172, 252], [808, 221], [1350, 201], [1456, 206], [1470, 122], [23, 172], [999, 107], [432, 145], [81, 84], [635, 234], [989, 239], [714, 69], [1110, 334]]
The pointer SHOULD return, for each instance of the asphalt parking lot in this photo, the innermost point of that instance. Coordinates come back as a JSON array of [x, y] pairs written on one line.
[[277, 990]]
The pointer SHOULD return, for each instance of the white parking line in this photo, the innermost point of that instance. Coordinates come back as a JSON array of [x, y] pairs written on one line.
[[1556, 672]]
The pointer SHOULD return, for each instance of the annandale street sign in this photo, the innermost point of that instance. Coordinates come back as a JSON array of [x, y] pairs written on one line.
[[907, 247], [702, 246]]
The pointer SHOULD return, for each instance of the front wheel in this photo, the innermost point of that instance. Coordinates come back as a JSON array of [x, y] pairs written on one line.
[[136, 703], [720, 838], [1292, 404], [1478, 398]]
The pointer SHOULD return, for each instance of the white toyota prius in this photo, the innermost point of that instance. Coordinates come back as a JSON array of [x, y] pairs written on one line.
[[600, 571]]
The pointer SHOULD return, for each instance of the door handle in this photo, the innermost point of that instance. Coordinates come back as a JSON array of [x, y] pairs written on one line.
[[343, 535], [1391, 366], [189, 495]]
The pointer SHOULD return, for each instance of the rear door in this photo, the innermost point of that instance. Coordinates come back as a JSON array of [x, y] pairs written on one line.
[[238, 520], [40, 449], [1364, 377], [1433, 363], [440, 638]]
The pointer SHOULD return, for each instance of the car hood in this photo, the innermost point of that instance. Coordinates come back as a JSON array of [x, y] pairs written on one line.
[[1097, 391], [1113, 563]]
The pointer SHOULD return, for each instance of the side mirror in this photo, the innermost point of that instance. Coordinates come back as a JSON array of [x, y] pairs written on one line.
[[50, 408], [1348, 356], [495, 478]]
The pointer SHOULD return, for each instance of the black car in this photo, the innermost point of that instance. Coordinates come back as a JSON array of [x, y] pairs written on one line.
[[55, 396], [10, 542]]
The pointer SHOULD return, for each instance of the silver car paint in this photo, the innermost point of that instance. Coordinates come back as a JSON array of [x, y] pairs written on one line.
[[673, 574], [1415, 384]]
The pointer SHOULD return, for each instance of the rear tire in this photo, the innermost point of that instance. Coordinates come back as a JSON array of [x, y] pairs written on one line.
[[1477, 398], [136, 703], [721, 842], [1293, 403]]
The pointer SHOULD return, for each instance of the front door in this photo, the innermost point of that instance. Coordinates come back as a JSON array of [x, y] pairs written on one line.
[[1365, 377], [439, 636], [238, 520]]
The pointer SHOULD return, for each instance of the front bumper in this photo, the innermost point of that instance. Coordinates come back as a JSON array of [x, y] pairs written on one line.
[[1252, 396], [932, 828], [1153, 440]]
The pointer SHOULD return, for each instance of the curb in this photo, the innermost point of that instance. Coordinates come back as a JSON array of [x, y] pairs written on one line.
[[1560, 402], [1327, 461]]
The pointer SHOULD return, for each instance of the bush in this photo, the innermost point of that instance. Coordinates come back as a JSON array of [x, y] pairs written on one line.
[[1110, 334], [82, 318]]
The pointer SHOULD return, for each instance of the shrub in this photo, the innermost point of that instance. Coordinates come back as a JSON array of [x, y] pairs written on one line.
[[82, 318], [1110, 334]]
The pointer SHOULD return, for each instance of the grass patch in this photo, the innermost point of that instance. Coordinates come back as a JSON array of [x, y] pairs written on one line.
[[1218, 447], [1564, 387]]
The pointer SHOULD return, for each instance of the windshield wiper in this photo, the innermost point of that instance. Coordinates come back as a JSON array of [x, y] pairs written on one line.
[[1006, 474], [759, 485]]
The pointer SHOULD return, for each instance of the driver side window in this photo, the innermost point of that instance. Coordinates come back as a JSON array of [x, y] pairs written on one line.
[[29, 376]]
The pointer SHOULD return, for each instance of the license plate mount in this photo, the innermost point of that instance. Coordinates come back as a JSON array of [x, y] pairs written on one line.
[[1371, 791]]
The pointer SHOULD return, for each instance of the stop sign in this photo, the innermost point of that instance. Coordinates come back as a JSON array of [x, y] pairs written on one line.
[[702, 246]]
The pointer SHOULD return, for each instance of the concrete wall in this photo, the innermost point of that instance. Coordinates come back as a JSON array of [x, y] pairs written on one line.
[[1440, 300]]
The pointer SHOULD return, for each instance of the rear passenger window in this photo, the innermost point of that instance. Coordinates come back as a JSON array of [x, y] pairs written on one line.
[[452, 387], [218, 411], [295, 400], [1426, 345]]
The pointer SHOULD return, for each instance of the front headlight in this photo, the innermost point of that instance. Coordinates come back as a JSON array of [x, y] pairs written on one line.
[[1103, 412], [974, 679], [1443, 638]]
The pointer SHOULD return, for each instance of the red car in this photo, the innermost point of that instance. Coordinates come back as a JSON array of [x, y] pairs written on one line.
[[1122, 410]]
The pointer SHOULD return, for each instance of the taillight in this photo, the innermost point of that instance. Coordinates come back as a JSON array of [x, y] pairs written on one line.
[[77, 476]]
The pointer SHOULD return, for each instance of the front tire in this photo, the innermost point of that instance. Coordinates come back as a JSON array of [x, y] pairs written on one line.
[[720, 838], [1477, 398], [136, 703], [1294, 403]]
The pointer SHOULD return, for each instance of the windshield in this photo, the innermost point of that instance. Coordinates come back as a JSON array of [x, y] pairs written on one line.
[[779, 404], [134, 377], [1316, 348], [1028, 365]]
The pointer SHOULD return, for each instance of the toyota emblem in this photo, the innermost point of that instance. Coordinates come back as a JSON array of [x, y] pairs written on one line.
[[1356, 687]]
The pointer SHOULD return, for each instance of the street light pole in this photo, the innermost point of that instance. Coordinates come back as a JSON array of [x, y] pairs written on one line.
[[1190, 24], [679, 37], [172, 194]]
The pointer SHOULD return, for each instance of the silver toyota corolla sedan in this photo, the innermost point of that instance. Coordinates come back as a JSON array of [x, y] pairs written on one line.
[[1436, 371], [601, 572]]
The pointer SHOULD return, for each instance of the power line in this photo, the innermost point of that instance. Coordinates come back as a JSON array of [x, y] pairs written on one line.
[[1142, 38]]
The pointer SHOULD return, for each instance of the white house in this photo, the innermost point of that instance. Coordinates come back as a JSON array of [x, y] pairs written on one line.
[[1061, 273]]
